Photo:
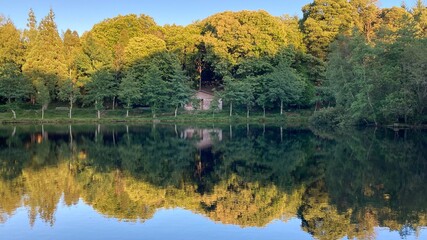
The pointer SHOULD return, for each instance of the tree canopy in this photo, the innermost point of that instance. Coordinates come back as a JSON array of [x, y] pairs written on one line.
[[350, 55]]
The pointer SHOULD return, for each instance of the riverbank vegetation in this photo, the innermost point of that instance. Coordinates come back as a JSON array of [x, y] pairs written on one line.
[[349, 62]]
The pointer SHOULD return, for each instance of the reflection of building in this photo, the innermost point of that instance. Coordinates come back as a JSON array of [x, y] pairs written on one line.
[[205, 135], [205, 99]]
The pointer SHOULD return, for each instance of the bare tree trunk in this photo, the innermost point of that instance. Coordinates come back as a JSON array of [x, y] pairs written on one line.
[[263, 130], [127, 133], [247, 112], [263, 108], [71, 108], [127, 112], [14, 113], [176, 111], [199, 69], [231, 108], [99, 114], [247, 130], [231, 132], [42, 112], [44, 135], [281, 107], [71, 136], [14, 131], [114, 102], [281, 134]]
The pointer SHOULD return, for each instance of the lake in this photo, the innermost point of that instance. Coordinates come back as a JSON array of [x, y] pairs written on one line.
[[168, 181]]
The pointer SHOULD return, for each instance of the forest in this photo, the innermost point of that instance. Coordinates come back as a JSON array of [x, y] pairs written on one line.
[[348, 62]]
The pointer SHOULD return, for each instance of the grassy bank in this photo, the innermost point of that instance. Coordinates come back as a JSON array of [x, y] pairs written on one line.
[[294, 118]]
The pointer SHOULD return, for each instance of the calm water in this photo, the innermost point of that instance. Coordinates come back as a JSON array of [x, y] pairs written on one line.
[[211, 182]]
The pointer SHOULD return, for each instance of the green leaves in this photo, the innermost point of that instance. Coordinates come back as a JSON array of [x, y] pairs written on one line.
[[130, 90], [99, 88]]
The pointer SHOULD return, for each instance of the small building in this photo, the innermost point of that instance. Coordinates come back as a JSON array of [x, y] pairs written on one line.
[[205, 98], [206, 137]]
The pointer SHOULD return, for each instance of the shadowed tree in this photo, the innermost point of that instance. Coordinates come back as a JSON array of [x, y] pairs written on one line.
[[98, 89], [130, 91]]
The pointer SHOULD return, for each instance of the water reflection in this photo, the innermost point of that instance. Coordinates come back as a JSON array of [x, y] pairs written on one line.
[[338, 184]]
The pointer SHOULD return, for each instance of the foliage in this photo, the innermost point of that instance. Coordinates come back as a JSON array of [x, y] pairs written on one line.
[[99, 88], [129, 91], [155, 90], [365, 60], [326, 117]]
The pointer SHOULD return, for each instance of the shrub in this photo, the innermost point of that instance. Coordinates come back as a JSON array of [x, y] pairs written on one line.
[[330, 116]]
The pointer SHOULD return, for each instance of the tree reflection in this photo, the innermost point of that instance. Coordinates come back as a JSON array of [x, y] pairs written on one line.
[[340, 184]]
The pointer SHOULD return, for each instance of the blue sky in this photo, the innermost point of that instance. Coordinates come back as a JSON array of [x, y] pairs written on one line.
[[81, 15]]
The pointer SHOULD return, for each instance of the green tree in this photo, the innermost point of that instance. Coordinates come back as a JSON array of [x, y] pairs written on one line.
[[144, 46], [155, 90], [11, 47], [130, 91], [237, 92], [13, 85], [419, 11], [368, 17], [30, 34], [182, 93], [322, 21], [42, 95], [72, 49], [46, 56], [69, 91], [99, 89], [255, 72], [284, 85], [110, 31]]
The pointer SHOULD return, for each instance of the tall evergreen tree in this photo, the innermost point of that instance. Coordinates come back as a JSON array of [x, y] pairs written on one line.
[[45, 60]]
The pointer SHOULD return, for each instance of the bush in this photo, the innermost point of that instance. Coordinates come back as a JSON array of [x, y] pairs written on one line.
[[330, 116], [4, 108]]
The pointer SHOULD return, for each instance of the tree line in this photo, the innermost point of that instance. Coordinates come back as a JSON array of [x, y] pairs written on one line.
[[350, 61]]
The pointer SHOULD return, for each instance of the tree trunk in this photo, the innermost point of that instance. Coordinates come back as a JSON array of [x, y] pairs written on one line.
[[263, 108], [71, 108], [247, 130], [247, 112], [114, 102], [42, 112], [231, 108], [263, 130], [176, 111], [99, 114], [127, 133], [281, 107], [71, 136], [127, 112], [14, 113], [199, 69], [281, 134]]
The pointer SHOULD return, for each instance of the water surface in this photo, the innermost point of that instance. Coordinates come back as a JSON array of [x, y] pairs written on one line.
[[211, 182]]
